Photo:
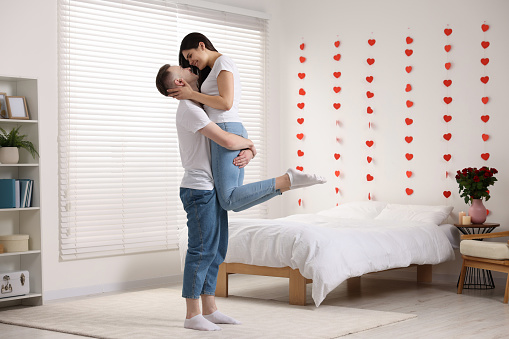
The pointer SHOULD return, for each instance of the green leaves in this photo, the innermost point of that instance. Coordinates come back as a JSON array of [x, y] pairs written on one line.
[[15, 139]]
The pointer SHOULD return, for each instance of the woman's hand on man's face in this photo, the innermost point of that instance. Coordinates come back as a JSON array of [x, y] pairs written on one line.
[[183, 92]]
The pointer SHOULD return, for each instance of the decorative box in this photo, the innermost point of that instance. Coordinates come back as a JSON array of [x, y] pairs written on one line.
[[14, 284], [14, 242]]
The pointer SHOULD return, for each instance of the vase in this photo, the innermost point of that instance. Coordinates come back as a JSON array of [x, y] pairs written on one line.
[[477, 211], [9, 155]]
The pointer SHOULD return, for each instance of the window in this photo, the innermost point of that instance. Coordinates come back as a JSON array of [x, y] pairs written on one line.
[[119, 167]]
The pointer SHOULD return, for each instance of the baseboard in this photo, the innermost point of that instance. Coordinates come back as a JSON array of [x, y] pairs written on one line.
[[108, 288]]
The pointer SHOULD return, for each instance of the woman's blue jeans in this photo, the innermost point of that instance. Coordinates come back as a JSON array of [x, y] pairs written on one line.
[[207, 225], [229, 179]]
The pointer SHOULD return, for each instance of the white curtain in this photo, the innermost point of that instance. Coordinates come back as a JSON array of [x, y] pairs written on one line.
[[119, 167]]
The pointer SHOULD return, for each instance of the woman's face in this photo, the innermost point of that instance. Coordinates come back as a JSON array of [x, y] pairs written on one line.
[[196, 56]]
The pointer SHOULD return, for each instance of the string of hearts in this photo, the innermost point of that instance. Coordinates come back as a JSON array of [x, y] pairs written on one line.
[[337, 105], [485, 99], [300, 120], [369, 110], [409, 103], [447, 99]]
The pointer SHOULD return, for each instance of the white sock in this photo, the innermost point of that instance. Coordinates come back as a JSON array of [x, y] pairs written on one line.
[[198, 322], [299, 179], [220, 318]]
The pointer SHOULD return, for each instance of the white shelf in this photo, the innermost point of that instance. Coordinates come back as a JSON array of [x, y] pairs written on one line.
[[19, 297], [18, 165], [19, 253], [19, 209], [16, 121]]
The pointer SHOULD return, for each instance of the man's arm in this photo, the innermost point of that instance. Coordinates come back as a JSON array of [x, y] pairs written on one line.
[[227, 140]]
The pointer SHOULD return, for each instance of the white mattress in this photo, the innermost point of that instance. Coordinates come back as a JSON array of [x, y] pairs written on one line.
[[330, 250]]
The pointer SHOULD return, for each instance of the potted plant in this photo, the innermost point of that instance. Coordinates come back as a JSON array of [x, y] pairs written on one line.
[[473, 187], [10, 143]]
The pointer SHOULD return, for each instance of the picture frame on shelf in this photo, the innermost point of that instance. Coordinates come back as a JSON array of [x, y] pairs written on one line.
[[17, 107], [3, 106]]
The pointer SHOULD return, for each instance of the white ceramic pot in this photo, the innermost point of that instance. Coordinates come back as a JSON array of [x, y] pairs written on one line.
[[9, 155]]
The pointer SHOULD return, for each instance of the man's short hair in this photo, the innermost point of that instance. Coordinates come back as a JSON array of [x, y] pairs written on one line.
[[164, 80]]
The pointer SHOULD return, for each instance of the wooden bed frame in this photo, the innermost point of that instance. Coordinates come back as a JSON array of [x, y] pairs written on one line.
[[297, 281]]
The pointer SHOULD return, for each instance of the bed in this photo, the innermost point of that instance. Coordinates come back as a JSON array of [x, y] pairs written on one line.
[[331, 246]]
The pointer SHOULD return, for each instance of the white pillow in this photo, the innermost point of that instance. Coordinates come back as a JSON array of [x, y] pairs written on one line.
[[426, 213], [355, 210]]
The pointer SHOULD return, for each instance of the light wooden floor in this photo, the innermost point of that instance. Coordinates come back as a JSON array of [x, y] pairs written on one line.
[[441, 313]]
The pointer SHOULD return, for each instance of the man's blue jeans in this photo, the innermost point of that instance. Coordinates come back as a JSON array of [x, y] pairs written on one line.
[[229, 179], [207, 225]]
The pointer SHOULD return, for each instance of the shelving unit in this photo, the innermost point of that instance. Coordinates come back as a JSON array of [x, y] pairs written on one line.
[[23, 220]]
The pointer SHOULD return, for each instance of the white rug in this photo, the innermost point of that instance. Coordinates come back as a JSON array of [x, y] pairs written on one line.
[[160, 313]]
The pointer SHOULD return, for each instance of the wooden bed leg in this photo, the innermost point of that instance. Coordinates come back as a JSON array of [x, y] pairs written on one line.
[[297, 288], [424, 273], [222, 281]]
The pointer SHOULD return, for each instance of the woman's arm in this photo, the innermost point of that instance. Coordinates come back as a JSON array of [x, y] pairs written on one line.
[[224, 101]]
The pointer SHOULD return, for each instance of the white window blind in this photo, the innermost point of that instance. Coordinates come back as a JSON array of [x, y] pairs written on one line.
[[119, 167]]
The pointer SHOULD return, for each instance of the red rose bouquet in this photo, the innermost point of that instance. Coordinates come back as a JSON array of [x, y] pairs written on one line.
[[474, 182]]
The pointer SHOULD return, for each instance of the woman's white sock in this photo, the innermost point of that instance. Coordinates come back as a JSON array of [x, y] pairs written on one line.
[[220, 318], [299, 179], [198, 322]]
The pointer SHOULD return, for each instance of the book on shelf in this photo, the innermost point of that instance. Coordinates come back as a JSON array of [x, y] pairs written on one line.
[[16, 193]]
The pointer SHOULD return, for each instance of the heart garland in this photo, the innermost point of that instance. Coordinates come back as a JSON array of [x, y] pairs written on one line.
[[300, 121], [484, 80], [409, 104], [447, 99], [336, 105], [370, 93]]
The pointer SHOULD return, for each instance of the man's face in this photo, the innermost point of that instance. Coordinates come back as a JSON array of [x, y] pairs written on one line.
[[183, 73]]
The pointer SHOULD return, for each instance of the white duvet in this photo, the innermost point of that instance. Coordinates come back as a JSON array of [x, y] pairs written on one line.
[[330, 250]]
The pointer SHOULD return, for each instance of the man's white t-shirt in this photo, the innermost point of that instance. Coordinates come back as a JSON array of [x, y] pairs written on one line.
[[209, 87], [194, 147]]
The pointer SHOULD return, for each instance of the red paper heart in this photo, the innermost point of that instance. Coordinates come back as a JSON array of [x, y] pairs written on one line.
[[337, 74], [370, 159], [485, 44], [337, 155], [447, 157], [300, 202], [300, 153], [409, 191], [409, 40], [409, 174], [370, 94], [485, 100], [408, 69], [300, 105], [299, 168], [338, 140], [487, 211], [369, 143], [369, 177], [447, 31], [370, 61], [409, 156], [337, 57], [371, 42], [369, 124], [409, 139], [447, 136], [302, 46], [302, 91], [485, 27], [485, 118], [409, 103], [337, 173], [485, 61], [409, 121], [336, 105], [369, 79], [447, 100], [370, 110], [337, 89], [336, 43], [485, 156], [302, 75], [447, 48], [300, 120], [485, 79], [408, 52], [300, 136], [447, 83], [447, 118], [337, 190], [338, 123], [485, 137], [369, 196], [408, 88], [302, 59], [447, 194], [447, 65], [446, 174]]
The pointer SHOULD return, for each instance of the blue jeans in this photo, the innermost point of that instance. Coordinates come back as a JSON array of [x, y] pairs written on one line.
[[207, 225], [229, 179]]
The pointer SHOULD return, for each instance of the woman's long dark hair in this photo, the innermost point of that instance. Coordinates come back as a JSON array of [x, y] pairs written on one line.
[[192, 40]]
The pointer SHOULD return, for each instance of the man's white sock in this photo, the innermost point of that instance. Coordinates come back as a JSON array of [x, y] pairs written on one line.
[[299, 179], [198, 322], [220, 318]]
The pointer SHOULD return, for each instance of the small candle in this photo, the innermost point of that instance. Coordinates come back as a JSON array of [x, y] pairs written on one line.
[[460, 219], [467, 220]]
